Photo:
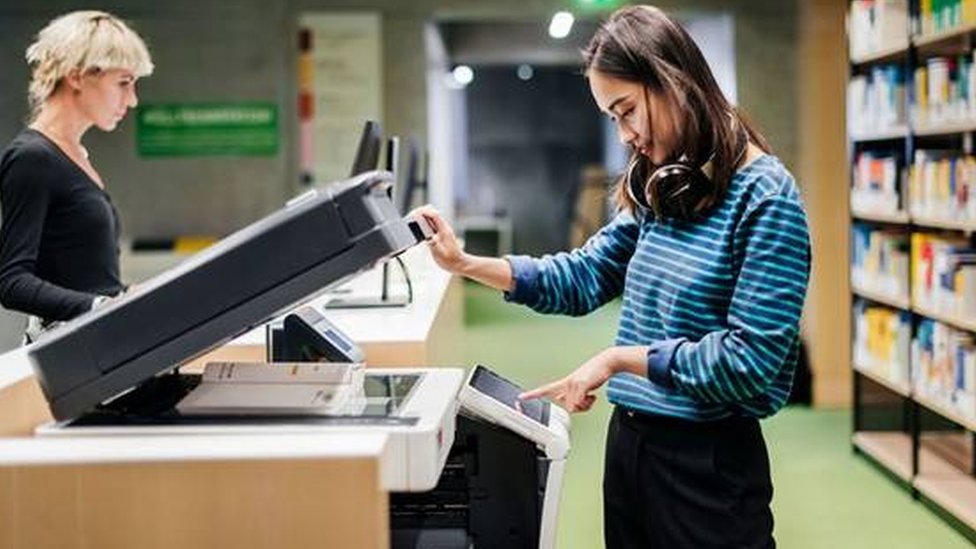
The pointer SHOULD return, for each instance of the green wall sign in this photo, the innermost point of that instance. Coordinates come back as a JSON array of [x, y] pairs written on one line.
[[203, 129], [596, 5]]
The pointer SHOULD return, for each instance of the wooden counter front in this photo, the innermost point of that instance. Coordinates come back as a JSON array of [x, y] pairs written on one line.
[[193, 492]]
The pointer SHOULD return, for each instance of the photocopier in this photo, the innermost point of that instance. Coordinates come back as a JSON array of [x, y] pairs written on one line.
[[470, 465]]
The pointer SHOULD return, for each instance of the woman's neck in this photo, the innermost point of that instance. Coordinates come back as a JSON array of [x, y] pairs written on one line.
[[753, 152], [61, 122]]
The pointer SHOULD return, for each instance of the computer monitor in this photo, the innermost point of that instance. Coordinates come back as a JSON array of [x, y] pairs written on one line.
[[368, 151], [384, 299], [392, 163], [412, 180]]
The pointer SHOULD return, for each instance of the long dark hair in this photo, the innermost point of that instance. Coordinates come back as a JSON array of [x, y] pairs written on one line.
[[642, 44]]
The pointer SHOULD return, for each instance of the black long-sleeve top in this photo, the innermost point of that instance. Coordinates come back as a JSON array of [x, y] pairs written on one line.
[[59, 235]]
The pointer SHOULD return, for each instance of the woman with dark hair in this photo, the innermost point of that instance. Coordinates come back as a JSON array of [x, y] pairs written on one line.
[[710, 252]]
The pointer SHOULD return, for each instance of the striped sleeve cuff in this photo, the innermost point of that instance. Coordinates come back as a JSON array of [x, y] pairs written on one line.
[[659, 357], [525, 274]]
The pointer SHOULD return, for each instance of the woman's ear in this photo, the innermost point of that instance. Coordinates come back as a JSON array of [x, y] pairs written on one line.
[[73, 80]]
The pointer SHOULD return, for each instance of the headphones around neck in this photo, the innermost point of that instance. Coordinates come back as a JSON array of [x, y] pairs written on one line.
[[674, 190]]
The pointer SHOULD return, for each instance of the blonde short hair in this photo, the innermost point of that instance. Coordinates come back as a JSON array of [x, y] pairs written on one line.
[[87, 41]]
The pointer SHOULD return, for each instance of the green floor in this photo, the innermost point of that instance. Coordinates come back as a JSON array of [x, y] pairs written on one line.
[[825, 497]]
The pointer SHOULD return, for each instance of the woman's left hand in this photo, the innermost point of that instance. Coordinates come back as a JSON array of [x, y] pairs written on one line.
[[575, 391]]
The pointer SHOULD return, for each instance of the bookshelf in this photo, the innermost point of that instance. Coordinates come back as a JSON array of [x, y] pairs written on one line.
[[930, 41], [944, 128], [897, 131], [898, 218], [888, 53], [911, 125], [966, 226], [955, 320], [891, 450], [901, 389], [883, 297]]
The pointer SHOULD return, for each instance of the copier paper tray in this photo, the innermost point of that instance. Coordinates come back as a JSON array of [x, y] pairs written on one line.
[[262, 270]]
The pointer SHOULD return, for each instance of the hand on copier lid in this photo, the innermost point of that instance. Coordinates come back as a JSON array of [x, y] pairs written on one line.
[[444, 245]]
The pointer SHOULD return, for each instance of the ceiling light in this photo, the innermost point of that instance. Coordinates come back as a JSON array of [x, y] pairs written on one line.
[[561, 24], [463, 74]]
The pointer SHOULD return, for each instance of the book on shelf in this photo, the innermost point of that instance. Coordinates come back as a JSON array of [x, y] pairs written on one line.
[[876, 187], [882, 341], [880, 259], [300, 388], [944, 274], [942, 184], [944, 91], [944, 361], [877, 25], [876, 100], [935, 16]]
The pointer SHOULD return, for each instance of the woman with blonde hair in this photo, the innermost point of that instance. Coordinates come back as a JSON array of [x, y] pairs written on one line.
[[59, 253]]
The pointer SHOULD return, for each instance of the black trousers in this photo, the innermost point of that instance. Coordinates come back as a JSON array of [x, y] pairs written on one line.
[[671, 483]]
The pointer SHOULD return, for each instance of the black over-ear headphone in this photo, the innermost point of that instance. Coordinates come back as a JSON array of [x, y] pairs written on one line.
[[673, 190]]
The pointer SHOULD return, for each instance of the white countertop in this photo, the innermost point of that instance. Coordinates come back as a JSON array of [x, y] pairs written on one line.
[[14, 367], [162, 448]]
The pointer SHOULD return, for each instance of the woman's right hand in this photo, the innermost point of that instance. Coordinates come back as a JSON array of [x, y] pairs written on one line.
[[444, 245]]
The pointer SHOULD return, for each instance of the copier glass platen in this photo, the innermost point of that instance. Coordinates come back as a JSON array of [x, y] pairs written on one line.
[[417, 407]]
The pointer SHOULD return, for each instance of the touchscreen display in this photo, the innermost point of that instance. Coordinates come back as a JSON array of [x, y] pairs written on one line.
[[506, 392]]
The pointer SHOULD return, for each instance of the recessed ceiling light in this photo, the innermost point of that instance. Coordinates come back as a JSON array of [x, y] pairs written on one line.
[[463, 74], [561, 24]]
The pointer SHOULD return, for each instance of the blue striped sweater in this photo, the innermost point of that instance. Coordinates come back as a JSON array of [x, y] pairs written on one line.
[[718, 301]]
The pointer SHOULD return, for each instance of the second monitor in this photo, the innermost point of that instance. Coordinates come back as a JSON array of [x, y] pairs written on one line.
[[369, 151]]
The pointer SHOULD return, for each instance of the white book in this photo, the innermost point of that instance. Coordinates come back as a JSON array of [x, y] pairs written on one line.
[[274, 388]]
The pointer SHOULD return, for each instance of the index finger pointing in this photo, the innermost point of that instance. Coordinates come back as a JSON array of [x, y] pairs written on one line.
[[546, 390]]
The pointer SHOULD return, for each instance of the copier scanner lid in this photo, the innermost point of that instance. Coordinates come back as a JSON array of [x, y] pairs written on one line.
[[242, 281]]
